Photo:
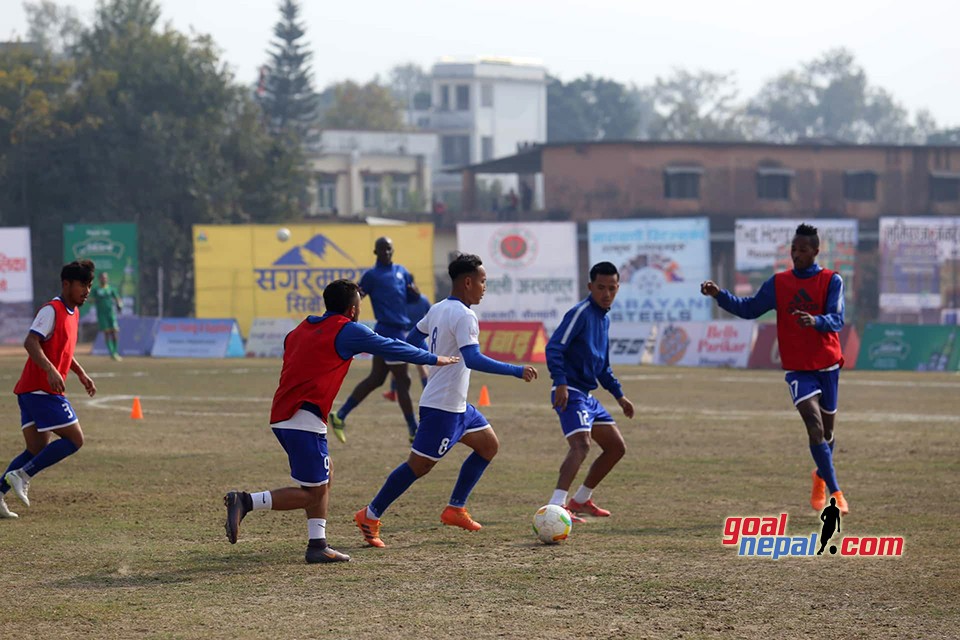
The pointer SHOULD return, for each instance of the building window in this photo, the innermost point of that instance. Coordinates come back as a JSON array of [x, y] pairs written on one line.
[[860, 185], [455, 150], [463, 97], [444, 97], [400, 192], [944, 186], [774, 183], [682, 182], [371, 193], [486, 95], [326, 192], [486, 149]]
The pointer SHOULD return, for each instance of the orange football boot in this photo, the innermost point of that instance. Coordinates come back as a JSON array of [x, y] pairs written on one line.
[[459, 517], [369, 528]]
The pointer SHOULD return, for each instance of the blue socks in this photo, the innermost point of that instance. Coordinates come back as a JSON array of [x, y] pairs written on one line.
[[347, 407], [823, 456], [16, 463], [399, 480], [473, 467], [51, 455], [411, 423]]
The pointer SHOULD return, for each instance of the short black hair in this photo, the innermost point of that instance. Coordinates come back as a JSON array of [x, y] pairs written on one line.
[[339, 294], [78, 271], [464, 264], [603, 269], [810, 233]]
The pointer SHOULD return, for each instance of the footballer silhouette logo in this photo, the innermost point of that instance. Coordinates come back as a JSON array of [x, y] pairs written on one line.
[[514, 247]]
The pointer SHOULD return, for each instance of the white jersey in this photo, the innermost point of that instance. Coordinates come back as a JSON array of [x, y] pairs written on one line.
[[449, 325]]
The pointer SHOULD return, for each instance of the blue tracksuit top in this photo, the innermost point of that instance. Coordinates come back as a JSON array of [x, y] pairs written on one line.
[[766, 299], [578, 353]]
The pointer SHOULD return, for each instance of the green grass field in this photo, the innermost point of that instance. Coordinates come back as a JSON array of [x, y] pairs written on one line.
[[125, 539]]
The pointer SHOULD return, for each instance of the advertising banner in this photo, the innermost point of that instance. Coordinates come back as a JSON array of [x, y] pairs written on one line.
[[531, 269], [113, 248], [632, 343], [909, 348], [197, 338], [520, 342], [705, 344], [766, 349], [762, 248], [661, 262], [251, 271], [267, 335], [919, 268], [16, 285], [136, 337]]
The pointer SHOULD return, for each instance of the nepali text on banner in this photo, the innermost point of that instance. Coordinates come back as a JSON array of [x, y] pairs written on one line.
[[16, 284], [251, 271], [197, 338], [531, 269], [513, 341], [661, 264]]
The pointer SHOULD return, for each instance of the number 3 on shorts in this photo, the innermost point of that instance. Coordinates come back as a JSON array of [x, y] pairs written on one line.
[[793, 385], [67, 410]]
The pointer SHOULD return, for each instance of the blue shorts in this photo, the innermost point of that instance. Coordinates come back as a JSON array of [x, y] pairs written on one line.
[[439, 430], [307, 453], [47, 411], [391, 331], [806, 384], [582, 412]]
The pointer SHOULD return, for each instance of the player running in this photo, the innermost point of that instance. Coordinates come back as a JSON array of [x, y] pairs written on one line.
[[578, 357], [316, 356], [390, 287], [446, 417], [415, 311], [44, 410], [809, 304]]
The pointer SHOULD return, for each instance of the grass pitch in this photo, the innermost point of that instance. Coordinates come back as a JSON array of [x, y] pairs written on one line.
[[125, 539]]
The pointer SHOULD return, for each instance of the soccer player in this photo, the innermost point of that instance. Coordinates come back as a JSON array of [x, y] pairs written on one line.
[[44, 410], [809, 304], [578, 357], [390, 287], [450, 327], [316, 356], [415, 311], [108, 302]]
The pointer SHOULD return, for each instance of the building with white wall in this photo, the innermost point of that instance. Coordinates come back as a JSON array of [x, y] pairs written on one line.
[[483, 109], [360, 173]]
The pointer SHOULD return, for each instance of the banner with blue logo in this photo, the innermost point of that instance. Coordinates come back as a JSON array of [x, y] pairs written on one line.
[[198, 338], [136, 337], [661, 264]]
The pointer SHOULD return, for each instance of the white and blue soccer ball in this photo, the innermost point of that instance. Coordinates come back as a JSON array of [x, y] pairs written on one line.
[[551, 524], [283, 234]]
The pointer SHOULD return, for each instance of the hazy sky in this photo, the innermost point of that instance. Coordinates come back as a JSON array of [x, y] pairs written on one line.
[[910, 48]]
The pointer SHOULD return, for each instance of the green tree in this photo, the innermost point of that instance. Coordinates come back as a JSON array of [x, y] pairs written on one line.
[[286, 91], [369, 107], [831, 97], [410, 86], [590, 108], [54, 27], [696, 106]]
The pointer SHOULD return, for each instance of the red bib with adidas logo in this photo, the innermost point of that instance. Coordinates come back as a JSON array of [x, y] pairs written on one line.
[[804, 348]]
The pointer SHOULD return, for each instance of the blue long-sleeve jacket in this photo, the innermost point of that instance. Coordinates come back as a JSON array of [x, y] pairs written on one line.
[[766, 299], [578, 353], [357, 338]]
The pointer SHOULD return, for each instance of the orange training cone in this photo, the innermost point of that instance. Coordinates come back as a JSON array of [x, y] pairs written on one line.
[[484, 397], [137, 412]]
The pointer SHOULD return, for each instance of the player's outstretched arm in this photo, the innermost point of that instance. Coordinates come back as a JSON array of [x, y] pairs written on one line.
[[747, 308], [709, 288], [479, 362], [443, 361]]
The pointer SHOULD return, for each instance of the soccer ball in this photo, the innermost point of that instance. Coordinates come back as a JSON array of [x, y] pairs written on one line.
[[551, 524], [283, 234]]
